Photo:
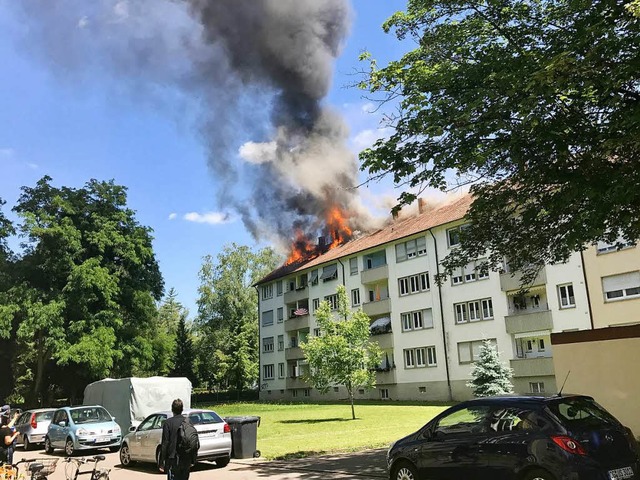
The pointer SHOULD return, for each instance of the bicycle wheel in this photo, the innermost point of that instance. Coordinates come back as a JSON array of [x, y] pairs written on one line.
[[102, 476]]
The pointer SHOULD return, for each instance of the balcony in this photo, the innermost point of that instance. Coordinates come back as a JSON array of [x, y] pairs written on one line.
[[532, 367], [373, 275], [379, 307], [386, 376], [296, 323], [508, 283], [385, 341], [293, 353], [531, 321], [293, 296], [296, 382]]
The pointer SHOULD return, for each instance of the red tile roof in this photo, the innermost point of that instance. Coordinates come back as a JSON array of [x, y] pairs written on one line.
[[451, 212]]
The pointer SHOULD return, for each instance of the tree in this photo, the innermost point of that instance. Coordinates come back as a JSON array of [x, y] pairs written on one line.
[[532, 103], [162, 333], [227, 322], [184, 357], [7, 343], [84, 289], [489, 376], [342, 354]]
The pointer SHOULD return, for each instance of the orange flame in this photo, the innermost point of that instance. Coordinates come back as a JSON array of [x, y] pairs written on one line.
[[336, 223]]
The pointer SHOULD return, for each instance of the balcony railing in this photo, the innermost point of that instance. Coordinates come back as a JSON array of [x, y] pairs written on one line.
[[379, 307], [373, 275], [509, 283], [385, 340], [529, 321], [296, 323], [293, 353], [292, 296], [532, 367], [296, 382], [386, 376]]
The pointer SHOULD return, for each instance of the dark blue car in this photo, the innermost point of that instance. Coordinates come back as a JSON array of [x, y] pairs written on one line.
[[568, 437]]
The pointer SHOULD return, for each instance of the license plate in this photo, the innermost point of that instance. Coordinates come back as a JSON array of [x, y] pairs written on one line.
[[210, 434], [103, 439], [621, 473]]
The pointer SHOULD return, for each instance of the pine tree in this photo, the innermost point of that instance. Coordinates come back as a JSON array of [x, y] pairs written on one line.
[[489, 375], [184, 356]]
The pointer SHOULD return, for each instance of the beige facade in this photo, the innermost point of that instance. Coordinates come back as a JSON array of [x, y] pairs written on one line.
[[602, 266], [603, 364]]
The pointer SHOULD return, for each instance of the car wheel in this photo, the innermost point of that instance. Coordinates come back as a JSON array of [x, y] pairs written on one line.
[[69, 447], [404, 471], [25, 443], [48, 448], [125, 455], [223, 462], [538, 474]]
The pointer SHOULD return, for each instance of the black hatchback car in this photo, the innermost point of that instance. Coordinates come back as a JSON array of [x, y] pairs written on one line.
[[568, 437]]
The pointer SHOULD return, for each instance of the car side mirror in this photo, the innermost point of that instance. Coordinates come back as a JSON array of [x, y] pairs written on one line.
[[62, 423], [437, 436], [113, 418], [132, 428]]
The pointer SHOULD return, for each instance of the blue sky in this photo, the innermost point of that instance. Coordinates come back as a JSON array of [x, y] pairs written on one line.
[[78, 127]]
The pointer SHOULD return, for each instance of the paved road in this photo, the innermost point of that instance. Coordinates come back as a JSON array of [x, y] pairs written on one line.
[[369, 464]]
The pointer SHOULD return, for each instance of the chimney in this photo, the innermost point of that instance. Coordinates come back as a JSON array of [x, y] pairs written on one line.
[[394, 214], [422, 205], [321, 242]]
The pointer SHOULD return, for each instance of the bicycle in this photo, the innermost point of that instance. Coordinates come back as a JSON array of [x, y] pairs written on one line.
[[39, 468], [72, 469]]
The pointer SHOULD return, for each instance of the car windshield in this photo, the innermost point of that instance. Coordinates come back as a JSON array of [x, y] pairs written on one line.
[[577, 413], [42, 416], [90, 415], [203, 418]]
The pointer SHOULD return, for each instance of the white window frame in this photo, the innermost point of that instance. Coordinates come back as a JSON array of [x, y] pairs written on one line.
[[268, 345], [355, 297], [384, 394], [432, 360], [281, 370], [420, 355], [413, 284], [460, 312], [409, 358], [403, 286], [332, 300], [353, 266], [280, 343], [279, 288], [564, 298], [536, 387], [487, 309], [627, 286], [469, 348], [265, 321], [280, 314], [267, 372], [473, 311], [267, 291], [315, 303]]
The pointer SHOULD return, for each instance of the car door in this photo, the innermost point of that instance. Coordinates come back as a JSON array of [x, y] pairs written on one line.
[[137, 442], [154, 437], [54, 428], [452, 449], [22, 425]]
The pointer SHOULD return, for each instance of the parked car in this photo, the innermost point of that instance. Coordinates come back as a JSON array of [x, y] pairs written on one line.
[[82, 428], [519, 438], [143, 443], [32, 426]]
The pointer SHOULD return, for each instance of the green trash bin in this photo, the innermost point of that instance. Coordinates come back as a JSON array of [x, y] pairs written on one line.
[[244, 436]]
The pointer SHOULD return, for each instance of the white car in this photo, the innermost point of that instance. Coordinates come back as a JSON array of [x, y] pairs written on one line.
[[143, 443]]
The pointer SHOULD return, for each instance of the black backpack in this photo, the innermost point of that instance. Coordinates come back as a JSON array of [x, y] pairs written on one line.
[[188, 441]]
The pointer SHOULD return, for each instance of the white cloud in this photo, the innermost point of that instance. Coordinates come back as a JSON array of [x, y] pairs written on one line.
[[173, 216], [33, 166], [7, 153], [83, 22], [367, 138], [211, 218], [368, 108]]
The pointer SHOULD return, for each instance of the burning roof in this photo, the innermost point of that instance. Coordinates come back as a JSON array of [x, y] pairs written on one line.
[[400, 229]]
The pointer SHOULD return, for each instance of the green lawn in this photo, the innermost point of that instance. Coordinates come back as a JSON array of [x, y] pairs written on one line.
[[296, 430]]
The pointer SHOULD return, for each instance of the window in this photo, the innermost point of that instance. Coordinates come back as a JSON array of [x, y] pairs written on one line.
[[306, 392], [333, 301], [316, 303], [473, 311], [621, 287], [414, 284], [411, 249], [431, 356], [355, 297], [384, 394], [464, 421], [416, 320], [536, 387], [336, 389], [422, 389], [313, 277], [330, 272], [294, 393], [267, 318], [353, 266], [453, 235], [281, 370], [267, 291], [471, 272], [279, 288], [421, 353], [316, 332], [565, 294], [375, 260], [267, 372], [618, 244], [267, 344], [294, 342], [470, 351], [280, 343], [409, 358], [280, 314]]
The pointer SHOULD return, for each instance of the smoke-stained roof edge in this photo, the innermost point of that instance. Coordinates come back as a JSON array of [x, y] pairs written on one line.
[[395, 231]]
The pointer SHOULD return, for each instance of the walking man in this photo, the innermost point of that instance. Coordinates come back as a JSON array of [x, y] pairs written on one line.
[[177, 468]]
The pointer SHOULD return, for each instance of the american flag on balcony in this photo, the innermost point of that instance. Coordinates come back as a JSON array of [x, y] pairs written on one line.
[[300, 312]]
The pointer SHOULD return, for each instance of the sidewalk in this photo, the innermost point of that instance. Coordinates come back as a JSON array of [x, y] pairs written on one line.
[[366, 464]]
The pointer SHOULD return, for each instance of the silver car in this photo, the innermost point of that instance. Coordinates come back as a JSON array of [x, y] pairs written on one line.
[[32, 426], [143, 443]]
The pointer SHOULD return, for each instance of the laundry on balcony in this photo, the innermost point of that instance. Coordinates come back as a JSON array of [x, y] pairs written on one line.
[[299, 312], [380, 326]]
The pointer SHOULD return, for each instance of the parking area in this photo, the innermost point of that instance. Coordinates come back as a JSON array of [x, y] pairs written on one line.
[[355, 466]]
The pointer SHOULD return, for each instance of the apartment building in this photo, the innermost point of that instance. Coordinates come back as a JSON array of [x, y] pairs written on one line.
[[602, 361], [429, 334]]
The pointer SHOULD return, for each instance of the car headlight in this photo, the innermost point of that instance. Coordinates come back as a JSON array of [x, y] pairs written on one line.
[[82, 431], [117, 430]]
